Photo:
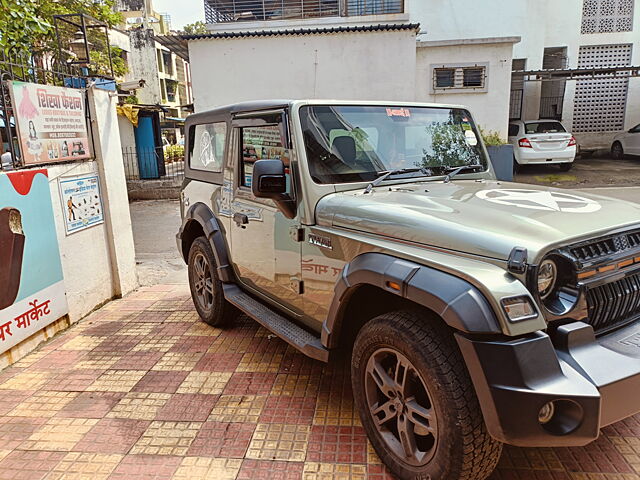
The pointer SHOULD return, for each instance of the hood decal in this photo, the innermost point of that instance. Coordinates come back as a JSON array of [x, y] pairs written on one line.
[[540, 200]]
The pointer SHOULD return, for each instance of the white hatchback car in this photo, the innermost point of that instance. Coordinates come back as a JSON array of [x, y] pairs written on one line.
[[541, 142], [627, 143]]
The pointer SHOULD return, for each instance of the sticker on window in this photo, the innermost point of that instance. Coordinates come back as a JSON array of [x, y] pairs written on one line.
[[471, 138], [398, 112], [207, 155]]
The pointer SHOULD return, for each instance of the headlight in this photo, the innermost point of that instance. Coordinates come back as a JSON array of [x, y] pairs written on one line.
[[547, 275]]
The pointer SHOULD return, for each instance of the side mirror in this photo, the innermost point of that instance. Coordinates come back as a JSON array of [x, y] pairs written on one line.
[[268, 179]]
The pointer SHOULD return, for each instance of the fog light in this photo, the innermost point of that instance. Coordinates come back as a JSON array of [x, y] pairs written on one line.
[[546, 413]]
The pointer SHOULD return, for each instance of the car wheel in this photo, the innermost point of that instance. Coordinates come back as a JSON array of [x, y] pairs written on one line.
[[617, 152], [416, 401], [516, 166], [565, 167], [206, 287]]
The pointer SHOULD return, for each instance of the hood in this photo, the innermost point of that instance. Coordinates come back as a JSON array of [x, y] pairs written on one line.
[[482, 217]]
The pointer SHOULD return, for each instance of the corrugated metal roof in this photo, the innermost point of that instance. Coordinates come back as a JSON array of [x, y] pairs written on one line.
[[307, 31]]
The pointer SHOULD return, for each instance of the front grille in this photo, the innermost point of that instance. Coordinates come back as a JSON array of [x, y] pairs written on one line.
[[614, 303], [606, 246]]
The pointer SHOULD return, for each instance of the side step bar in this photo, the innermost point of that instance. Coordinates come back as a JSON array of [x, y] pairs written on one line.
[[284, 328]]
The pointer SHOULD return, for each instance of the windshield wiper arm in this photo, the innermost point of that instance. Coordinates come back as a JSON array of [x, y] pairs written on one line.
[[457, 170], [385, 174]]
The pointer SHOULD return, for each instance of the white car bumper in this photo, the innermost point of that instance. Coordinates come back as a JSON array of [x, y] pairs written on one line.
[[526, 156]]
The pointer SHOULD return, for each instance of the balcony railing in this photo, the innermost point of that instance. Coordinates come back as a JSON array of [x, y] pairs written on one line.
[[224, 11]]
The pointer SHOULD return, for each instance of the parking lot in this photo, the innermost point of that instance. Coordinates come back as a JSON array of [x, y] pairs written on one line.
[[593, 171]]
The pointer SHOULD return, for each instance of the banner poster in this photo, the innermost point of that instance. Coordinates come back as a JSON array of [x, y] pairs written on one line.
[[81, 202], [32, 293], [51, 123]]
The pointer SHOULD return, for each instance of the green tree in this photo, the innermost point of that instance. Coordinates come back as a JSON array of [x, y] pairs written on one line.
[[448, 147], [197, 28], [27, 27]]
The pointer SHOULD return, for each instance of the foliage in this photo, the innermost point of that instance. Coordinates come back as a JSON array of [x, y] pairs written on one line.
[[491, 138], [197, 28], [131, 99], [27, 27], [100, 62], [448, 147], [173, 153]]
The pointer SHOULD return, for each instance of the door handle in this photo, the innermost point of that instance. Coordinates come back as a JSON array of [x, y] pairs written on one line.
[[240, 219]]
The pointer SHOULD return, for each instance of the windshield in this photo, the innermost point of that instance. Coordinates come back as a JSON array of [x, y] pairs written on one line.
[[356, 143]]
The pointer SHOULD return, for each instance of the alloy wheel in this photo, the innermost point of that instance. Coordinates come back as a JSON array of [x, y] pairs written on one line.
[[400, 406], [203, 283]]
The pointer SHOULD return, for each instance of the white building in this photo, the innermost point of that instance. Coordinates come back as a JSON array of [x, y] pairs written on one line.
[[460, 52]]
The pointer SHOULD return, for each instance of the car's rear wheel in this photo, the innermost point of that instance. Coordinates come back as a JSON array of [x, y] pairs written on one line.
[[206, 287], [565, 167], [516, 166], [617, 152], [416, 400]]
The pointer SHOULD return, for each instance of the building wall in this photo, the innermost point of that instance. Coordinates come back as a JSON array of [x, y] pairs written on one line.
[[491, 108], [143, 65], [540, 24], [372, 65]]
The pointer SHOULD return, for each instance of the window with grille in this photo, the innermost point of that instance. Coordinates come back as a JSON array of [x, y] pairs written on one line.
[[604, 16], [452, 78], [600, 102]]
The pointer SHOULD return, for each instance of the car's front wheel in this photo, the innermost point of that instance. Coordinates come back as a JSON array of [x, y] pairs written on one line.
[[416, 400], [617, 152], [206, 287]]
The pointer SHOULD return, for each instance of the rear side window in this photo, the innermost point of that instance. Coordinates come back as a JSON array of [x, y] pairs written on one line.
[[513, 129], [207, 146], [544, 127]]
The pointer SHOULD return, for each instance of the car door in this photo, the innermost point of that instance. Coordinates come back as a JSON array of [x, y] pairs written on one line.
[[632, 141], [265, 252]]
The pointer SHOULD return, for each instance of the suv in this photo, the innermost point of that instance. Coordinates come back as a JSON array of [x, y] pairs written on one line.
[[477, 312]]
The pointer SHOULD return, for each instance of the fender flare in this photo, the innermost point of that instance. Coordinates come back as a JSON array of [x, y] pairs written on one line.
[[201, 213], [461, 305]]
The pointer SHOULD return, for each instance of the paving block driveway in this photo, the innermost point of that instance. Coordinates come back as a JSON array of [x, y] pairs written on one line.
[[142, 389]]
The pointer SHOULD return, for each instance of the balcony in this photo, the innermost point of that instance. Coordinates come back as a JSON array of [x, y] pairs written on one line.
[[228, 11]]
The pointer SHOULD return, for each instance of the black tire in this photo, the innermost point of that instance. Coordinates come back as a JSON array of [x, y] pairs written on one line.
[[617, 152], [210, 302], [516, 166], [460, 448], [565, 167]]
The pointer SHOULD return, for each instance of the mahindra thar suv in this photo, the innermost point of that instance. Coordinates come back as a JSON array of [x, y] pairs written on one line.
[[476, 312]]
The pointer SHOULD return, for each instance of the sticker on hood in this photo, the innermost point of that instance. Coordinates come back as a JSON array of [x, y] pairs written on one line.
[[540, 200]]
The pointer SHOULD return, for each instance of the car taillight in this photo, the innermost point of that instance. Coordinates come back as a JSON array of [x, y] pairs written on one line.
[[572, 142], [524, 143]]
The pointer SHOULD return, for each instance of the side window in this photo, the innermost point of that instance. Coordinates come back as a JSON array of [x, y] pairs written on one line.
[[513, 129], [259, 143], [207, 146]]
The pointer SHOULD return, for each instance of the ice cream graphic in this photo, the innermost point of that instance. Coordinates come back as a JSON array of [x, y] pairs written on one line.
[[11, 251]]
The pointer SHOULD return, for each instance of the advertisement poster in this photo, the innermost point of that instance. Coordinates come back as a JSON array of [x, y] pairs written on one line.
[[81, 202], [51, 123], [32, 293]]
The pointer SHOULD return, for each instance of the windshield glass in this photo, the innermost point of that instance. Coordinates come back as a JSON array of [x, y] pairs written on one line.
[[544, 127], [356, 143]]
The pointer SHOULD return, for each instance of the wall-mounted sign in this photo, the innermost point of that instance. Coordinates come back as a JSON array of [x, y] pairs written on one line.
[[51, 123], [32, 293], [81, 202]]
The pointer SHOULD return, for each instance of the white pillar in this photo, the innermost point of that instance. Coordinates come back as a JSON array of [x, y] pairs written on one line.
[[108, 153]]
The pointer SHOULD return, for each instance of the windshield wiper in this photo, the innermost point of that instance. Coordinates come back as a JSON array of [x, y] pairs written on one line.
[[456, 170], [387, 173]]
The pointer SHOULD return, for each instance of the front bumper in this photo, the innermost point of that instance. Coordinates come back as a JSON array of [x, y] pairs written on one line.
[[592, 382]]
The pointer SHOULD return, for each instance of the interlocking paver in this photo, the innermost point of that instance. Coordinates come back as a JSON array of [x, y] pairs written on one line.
[[222, 439], [167, 438], [112, 435], [211, 383], [139, 405], [279, 442], [238, 408], [84, 466], [58, 434], [155, 394], [201, 467]]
